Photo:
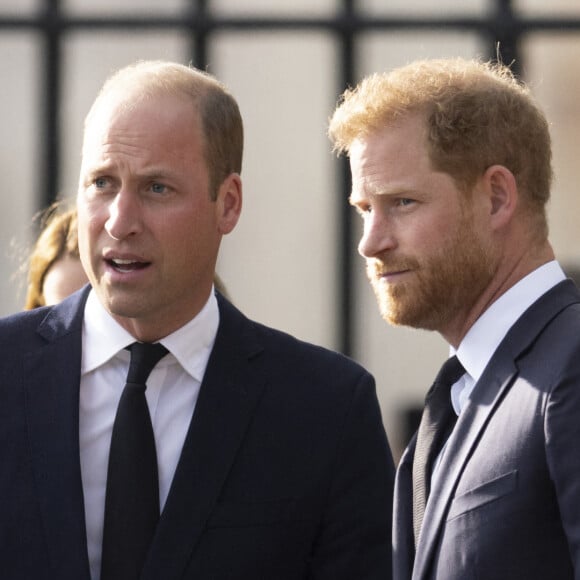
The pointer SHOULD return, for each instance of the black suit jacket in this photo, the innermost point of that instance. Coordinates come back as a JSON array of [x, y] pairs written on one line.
[[285, 471], [506, 502]]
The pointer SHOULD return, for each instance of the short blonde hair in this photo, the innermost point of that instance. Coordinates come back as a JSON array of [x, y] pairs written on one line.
[[477, 114], [218, 111]]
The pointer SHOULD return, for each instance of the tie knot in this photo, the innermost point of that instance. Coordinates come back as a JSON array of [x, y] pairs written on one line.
[[450, 372], [144, 356]]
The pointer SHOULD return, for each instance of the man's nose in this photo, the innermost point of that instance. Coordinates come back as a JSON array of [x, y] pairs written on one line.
[[377, 237], [124, 217]]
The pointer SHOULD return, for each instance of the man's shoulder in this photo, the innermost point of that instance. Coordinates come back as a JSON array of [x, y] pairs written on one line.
[[23, 321], [19, 332], [292, 353], [48, 322]]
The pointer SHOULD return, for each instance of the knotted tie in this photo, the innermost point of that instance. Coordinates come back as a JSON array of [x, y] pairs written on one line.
[[437, 421], [132, 500]]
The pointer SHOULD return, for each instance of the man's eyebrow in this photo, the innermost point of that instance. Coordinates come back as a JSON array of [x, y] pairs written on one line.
[[157, 173]]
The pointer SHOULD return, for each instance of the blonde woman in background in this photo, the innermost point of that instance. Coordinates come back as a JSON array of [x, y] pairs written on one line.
[[54, 266]]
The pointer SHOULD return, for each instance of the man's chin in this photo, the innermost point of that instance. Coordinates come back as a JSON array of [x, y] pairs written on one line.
[[398, 314], [395, 318], [392, 313], [121, 304]]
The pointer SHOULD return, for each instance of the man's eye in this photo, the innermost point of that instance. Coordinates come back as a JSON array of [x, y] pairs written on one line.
[[405, 201], [158, 188], [100, 182]]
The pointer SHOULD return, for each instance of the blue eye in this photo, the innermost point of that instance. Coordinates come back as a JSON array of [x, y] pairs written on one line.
[[158, 188], [100, 182]]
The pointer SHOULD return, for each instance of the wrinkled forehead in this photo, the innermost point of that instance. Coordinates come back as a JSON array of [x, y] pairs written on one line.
[[135, 110], [106, 109]]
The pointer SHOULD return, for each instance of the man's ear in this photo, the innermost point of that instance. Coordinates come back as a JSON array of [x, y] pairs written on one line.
[[229, 203], [503, 195]]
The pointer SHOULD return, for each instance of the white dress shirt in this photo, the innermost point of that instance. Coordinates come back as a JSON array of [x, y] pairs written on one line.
[[483, 338], [172, 391]]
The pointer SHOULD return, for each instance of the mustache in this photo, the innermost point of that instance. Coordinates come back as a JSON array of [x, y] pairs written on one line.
[[378, 267]]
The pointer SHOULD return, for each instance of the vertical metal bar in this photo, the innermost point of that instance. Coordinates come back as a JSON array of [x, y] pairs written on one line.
[[50, 99], [506, 36], [199, 33], [346, 285]]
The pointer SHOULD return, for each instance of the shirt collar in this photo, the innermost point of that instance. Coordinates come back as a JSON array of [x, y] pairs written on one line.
[[191, 345], [483, 338]]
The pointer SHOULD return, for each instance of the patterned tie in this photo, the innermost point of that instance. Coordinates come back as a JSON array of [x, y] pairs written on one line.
[[437, 421], [132, 500]]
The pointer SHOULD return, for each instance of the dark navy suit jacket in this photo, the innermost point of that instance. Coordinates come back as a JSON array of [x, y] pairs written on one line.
[[285, 472], [506, 502]]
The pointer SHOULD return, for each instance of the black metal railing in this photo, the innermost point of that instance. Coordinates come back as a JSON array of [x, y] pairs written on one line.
[[501, 28]]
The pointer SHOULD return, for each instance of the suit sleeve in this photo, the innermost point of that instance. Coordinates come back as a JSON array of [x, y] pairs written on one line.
[[562, 432], [355, 539]]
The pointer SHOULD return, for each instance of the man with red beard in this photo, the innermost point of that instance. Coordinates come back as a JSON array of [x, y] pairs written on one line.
[[451, 173]]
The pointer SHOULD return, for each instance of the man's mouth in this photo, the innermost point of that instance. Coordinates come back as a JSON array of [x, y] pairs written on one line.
[[391, 275], [124, 266]]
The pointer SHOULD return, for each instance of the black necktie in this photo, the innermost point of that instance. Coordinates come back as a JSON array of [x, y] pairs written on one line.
[[132, 500], [437, 420]]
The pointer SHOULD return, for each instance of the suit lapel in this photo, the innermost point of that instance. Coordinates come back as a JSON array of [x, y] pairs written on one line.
[[471, 423], [51, 383], [498, 376], [227, 400]]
